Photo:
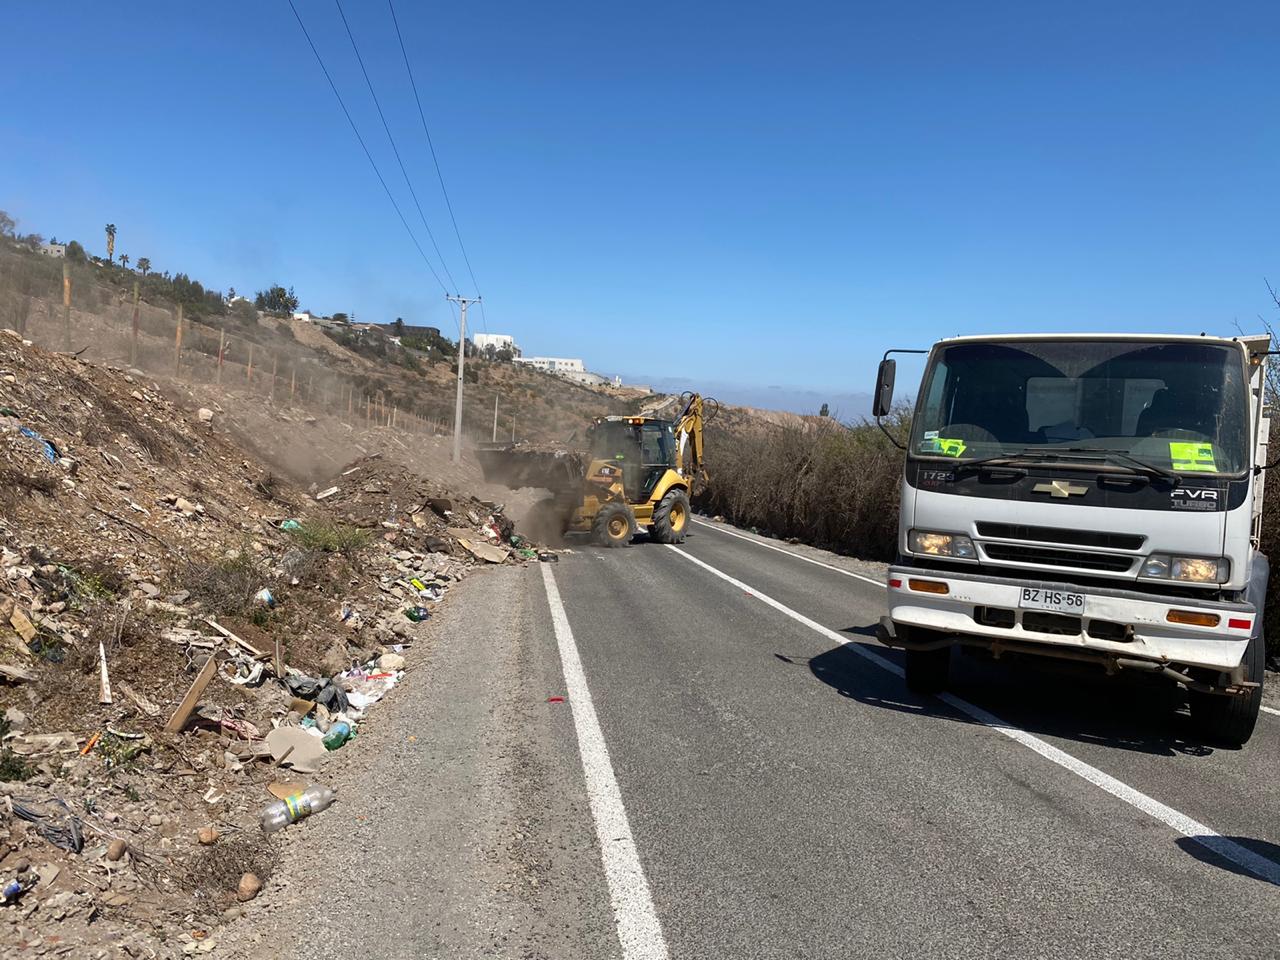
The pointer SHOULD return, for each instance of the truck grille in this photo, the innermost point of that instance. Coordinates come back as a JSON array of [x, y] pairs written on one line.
[[1045, 556], [1080, 538]]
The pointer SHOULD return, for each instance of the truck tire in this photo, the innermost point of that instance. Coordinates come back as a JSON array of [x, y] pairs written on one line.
[[927, 671], [613, 526], [671, 517], [1229, 721]]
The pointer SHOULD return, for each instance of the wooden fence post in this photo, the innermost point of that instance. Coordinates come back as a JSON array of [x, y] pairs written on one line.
[[222, 351], [66, 305], [133, 343], [275, 365], [248, 370], [177, 347]]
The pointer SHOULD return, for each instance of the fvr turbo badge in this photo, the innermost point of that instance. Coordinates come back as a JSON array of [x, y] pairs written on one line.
[[1193, 498]]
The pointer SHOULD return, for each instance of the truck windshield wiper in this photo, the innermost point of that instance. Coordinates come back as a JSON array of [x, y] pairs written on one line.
[[1135, 463]]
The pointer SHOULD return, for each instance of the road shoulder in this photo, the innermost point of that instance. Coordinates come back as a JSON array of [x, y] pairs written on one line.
[[462, 828]]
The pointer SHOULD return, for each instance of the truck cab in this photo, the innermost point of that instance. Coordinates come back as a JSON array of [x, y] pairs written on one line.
[[1088, 497]]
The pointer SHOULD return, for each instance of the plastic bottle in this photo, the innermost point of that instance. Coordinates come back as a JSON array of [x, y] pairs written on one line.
[[280, 814], [339, 733]]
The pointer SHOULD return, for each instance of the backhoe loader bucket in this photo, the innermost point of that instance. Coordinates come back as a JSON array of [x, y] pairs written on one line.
[[519, 466]]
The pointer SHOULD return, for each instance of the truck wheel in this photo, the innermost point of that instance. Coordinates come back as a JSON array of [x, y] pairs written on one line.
[[927, 670], [671, 517], [613, 525], [1229, 721]]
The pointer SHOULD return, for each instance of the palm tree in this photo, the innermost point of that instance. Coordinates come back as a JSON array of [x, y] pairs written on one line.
[[124, 260], [111, 242], [144, 265]]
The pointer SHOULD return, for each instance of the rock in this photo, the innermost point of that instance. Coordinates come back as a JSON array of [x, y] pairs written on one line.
[[248, 887], [233, 912], [390, 662], [150, 589], [207, 836], [22, 865], [16, 719], [155, 820], [116, 849], [205, 415]]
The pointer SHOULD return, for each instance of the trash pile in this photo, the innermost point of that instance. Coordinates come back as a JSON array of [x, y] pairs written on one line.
[[186, 641]]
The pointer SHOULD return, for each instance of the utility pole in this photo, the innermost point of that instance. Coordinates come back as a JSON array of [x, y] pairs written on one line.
[[462, 354], [495, 417]]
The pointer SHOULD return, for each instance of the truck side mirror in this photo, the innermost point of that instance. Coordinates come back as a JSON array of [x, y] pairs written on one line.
[[882, 402]]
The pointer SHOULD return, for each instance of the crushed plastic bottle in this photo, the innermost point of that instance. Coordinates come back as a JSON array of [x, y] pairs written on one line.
[[280, 814], [339, 733], [417, 614]]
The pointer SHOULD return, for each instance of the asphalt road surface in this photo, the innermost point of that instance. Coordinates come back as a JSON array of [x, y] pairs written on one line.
[[738, 771]]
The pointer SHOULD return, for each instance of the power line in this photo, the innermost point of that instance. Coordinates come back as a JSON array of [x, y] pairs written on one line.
[[440, 176], [368, 156], [394, 149]]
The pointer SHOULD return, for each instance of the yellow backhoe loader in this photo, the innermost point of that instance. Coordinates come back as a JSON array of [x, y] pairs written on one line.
[[636, 473]]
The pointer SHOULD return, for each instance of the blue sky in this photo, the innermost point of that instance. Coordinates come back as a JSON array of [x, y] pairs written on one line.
[[766, 194]]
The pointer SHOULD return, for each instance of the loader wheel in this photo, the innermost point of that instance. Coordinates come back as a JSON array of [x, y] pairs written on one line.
[[1229, 721], [671, 517], [613, 525]]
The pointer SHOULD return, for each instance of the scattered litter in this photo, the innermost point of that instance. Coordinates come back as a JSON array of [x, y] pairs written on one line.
[[276, 816], [50, 451], [286, 788], [60, 829], [265, 596], [555, 699], [326, 494], [418, 614]]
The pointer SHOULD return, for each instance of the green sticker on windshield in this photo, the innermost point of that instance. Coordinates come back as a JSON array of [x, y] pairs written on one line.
[[942, 445], [1192, 457]]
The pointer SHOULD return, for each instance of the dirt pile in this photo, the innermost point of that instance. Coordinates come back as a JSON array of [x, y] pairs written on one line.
[[181, 628]]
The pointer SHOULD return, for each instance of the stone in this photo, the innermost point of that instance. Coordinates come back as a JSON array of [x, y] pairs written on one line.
[[207, 836], [248, 887], [116, 849], [205, 415]]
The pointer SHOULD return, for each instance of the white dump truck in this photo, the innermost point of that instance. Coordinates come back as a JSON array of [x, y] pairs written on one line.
[[1088, 497]]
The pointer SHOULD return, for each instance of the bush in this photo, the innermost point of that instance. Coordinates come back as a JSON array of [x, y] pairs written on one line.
[[331, 537], [828, 484]]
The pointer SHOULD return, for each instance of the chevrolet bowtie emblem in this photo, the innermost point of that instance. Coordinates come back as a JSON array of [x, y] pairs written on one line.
[[1060, 489]]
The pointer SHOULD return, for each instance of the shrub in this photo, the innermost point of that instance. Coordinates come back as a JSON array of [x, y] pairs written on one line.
[[331, 537]]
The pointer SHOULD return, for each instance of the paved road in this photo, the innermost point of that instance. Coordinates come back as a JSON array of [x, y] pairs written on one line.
[[788, 797], [738, 771]]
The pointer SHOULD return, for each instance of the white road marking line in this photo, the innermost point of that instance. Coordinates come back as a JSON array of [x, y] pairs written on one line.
[[848, 573], [639, 931], [769, 546], [1192, 829]]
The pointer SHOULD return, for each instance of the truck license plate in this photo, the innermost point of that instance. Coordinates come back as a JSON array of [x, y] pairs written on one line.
[[1059, 601]]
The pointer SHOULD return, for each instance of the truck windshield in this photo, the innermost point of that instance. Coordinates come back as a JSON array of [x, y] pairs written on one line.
[[1180, 406]]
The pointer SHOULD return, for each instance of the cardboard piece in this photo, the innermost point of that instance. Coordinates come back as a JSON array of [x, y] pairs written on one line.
[[300, 750]]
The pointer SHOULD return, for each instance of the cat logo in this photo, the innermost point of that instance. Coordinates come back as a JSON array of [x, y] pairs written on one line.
[[1061, 489]]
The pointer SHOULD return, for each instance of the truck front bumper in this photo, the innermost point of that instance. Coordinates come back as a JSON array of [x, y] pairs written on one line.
[[986, 607]]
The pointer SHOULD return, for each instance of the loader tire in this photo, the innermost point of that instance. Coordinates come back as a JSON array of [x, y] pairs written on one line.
[[1229, 721], [671, 517], [613, 526]]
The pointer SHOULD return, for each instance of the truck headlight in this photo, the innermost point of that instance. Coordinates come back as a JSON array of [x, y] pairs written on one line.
[[1162, 566], [955, 545]]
